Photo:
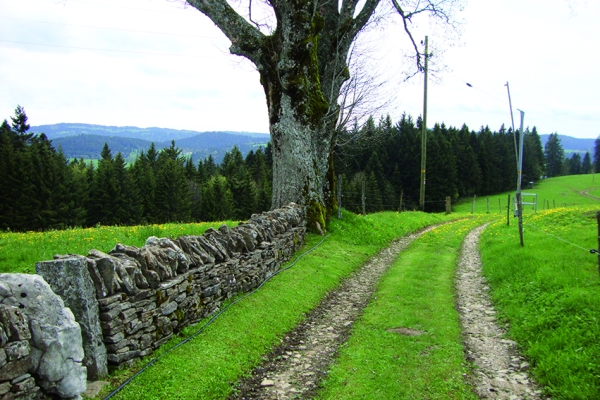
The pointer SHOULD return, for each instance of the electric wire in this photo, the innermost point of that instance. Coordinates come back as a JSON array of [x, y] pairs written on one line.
[[561, 239], [109, 29], [154, 360], [107, 50]]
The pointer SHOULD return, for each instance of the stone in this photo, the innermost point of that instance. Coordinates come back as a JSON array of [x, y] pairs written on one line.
[[17, 350], [5, 388], [23, 383], [70, 278], [3, 357], [57, 350], [169, 308], [267, 382], [14, 322], [94, 388]]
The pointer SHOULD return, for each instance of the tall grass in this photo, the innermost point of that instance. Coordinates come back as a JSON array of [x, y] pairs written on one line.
[[549, 294]]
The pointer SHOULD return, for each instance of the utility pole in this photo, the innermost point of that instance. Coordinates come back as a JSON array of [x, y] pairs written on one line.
[[520, 170], [512, 120], [424, 133]]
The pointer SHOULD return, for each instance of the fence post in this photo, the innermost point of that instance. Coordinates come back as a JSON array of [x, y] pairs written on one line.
[[488, 204], [448, 205], [598, 221], [499, 205], [401, 195], [339, 196], [363, 197], [508, 211], [473, 205]]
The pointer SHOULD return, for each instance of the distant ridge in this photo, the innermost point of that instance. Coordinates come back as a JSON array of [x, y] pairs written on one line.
[[573, 145], [86, 140], [55, 131]]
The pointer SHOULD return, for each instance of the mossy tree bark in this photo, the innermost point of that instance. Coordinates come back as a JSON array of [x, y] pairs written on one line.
[[302, 66]]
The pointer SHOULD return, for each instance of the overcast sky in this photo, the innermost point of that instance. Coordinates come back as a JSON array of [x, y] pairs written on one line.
[[153, 63]]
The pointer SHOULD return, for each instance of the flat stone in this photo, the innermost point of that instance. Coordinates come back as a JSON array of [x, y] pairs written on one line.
[[93, 388], [267, 382]]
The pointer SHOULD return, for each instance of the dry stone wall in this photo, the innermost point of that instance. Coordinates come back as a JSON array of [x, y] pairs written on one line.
[[142, 296], [40, 342]]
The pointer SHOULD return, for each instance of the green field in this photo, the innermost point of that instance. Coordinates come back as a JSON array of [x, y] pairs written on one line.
[[548, 292]]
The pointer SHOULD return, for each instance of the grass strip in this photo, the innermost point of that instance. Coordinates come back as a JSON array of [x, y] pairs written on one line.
[[549, 293], [417, 293], [208, 366]]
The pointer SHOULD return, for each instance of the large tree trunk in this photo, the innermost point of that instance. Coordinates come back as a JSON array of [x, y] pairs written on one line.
[[300, 163], [302, 67]]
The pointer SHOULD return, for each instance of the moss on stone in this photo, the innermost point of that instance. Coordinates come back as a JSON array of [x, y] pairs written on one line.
[[315, 212]]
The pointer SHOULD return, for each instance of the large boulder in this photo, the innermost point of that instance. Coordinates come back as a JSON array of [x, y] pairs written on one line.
[[70, 279], [56, 345]]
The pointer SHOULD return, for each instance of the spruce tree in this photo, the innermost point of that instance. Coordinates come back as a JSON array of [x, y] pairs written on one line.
[[554, 156], [586, 164]]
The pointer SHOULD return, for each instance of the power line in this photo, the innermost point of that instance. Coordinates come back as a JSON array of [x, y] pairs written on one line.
[[107, 50], [111, 29]]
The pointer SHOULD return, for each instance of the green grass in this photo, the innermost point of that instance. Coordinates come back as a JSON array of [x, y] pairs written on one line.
[[557, 192], [549, 293], [20, 251], [234, 344], [417, 292]]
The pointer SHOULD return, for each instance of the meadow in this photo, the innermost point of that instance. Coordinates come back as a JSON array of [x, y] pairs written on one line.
[[19, 252], [547, 293]]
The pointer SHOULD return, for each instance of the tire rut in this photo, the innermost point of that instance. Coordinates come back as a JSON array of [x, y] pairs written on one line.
[[296, 366], [500, 371]]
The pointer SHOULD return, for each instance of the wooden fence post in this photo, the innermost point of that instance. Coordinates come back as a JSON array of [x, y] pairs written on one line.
[[508, 212], [339, 196], [448, 205], [473, 205]]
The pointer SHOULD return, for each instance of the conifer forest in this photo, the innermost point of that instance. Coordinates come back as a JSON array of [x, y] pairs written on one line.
[[43, 190]]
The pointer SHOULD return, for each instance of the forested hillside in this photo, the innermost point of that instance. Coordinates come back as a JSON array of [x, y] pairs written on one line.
[[460, 163], [42, 189]]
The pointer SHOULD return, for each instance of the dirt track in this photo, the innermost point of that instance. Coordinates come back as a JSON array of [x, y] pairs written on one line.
[[295, 367]]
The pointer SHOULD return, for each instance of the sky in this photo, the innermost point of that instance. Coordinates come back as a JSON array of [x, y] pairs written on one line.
[[156, 63]]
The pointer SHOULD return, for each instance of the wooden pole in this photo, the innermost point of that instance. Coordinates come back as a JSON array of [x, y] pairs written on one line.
[[401, 195], [363, 197], [488, 204], [424, 133], [508, 212], [473, 205], [448, 205], [499, 205], [339, 196]]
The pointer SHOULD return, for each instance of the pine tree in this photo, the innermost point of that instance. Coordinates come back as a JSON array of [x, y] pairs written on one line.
[[575, 164], [173, 197], [597, 154], [554, 156], [586, 164]]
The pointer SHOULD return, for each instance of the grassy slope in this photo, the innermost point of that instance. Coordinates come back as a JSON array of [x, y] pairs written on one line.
[[549, 293], [558, 192], [20, 251]]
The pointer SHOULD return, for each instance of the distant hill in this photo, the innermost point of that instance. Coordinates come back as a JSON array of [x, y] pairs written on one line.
[[152, 134], [86, 141], [573, 145]]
